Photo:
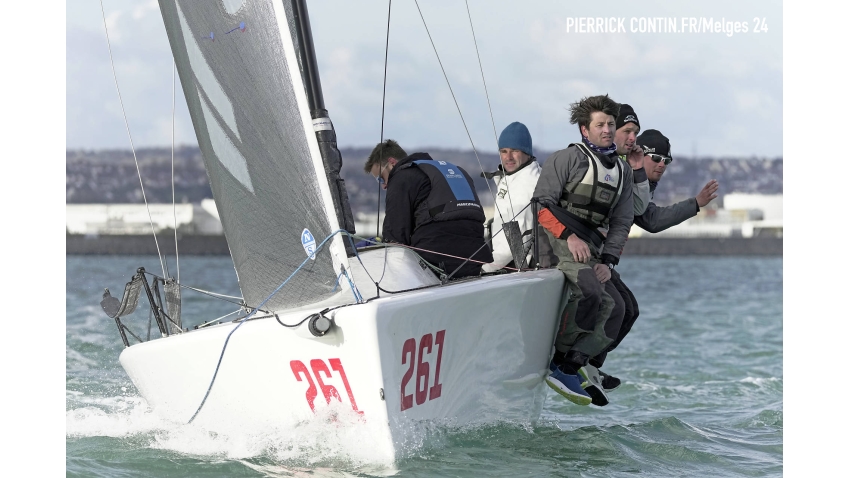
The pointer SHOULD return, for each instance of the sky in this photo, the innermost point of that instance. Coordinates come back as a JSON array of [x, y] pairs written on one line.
[[711, 93]]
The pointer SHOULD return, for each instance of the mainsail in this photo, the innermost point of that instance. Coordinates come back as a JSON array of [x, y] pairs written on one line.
[[239, 67]]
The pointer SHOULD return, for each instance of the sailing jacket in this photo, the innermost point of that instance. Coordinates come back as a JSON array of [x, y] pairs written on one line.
[[657, 219], [641, 195], [423, 212], [514, 192], [561, 175]]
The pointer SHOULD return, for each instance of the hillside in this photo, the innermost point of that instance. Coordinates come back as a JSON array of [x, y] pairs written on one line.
[[109, 176]]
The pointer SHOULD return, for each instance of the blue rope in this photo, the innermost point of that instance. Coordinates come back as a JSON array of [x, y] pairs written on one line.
[[245, 319]]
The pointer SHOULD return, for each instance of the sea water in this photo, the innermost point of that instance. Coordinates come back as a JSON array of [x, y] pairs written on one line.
[[701, 394]]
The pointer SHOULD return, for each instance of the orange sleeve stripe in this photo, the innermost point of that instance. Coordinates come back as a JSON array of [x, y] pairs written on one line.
[[550, 222]]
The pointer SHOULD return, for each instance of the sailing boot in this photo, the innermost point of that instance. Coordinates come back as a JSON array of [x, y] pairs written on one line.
[[592, 384], [609, 382]]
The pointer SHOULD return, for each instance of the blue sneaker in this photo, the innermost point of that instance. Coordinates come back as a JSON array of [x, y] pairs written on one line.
[[568, 385]]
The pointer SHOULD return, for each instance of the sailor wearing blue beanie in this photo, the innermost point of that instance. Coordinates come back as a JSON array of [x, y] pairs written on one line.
[[516, 136], [515, 183]]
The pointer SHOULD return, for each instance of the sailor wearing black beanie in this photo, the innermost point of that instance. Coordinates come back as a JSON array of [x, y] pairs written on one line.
[[627, 115], [628, 126]]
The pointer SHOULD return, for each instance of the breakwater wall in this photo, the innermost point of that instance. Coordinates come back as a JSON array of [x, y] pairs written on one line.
[[217, 245]]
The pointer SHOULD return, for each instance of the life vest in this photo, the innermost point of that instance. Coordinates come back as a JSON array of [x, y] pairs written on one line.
[[594, 197], [452, 194]]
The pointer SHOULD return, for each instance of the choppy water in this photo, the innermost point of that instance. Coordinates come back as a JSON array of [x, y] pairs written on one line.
[[702, 391]]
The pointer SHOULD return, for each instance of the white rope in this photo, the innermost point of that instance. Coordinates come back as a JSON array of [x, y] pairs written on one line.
[[133, 148]]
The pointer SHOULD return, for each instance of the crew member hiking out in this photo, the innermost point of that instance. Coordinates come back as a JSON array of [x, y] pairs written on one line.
[[657, 157], [432, 206], [628, 127], [580, 188]]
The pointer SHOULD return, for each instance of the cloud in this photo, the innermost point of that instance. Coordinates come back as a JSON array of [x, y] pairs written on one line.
[[145, 9], [688, 84]]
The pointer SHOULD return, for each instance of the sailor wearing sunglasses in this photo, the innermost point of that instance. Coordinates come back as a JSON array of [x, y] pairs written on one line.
[[657, 157]]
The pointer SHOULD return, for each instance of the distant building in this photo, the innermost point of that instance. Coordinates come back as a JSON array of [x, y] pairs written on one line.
[[108, 219], [742, 215]]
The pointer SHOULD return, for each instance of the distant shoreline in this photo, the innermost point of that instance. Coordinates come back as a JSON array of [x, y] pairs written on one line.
[[217, 245]]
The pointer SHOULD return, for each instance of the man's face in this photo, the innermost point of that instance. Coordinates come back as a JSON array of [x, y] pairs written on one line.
[[654, 170], [601, 129], [625, 137], [512, 159], [382, 172]]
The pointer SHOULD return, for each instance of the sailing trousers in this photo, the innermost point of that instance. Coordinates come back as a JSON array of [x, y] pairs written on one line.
[[629, 317], [594, 312]]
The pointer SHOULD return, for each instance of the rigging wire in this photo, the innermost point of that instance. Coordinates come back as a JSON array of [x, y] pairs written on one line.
[[173, 197], [133, 148], [481, 68], [457, 106], [469, 259], [492, 121], [214, 321], [214, 295], [383, 104]]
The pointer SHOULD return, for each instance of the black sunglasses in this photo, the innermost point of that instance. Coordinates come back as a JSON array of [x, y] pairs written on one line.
[[658, 158]]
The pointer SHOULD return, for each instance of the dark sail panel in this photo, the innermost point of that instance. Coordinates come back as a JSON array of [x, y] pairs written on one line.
[[249, 109]]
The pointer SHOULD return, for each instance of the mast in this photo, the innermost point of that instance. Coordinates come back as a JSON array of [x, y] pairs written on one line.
[[322, 125]]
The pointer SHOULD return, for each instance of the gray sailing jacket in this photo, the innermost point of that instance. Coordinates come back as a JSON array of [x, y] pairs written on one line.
[[657, 219], [566, 168], [640, 190]]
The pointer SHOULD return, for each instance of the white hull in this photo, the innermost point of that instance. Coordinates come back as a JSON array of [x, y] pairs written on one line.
[[464, 353]]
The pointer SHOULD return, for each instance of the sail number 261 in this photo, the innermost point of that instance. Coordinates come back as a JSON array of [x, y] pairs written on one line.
[[414, 357]]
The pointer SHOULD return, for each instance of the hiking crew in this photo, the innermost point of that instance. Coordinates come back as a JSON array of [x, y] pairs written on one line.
[[657, 157], [628, 126], [581, 188], [431, 205]]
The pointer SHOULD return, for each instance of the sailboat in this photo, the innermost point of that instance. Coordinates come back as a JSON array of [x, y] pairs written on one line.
[[367, 338]]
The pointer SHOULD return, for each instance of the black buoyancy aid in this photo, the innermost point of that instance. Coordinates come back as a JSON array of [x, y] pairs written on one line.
[[452, 194], [593, 198]]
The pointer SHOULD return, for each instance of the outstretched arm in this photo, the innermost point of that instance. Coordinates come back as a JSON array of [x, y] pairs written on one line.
[[657, 219], [708, 192]]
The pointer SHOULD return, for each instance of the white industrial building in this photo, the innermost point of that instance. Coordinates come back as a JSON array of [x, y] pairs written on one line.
[[742, 215], [106, 219]]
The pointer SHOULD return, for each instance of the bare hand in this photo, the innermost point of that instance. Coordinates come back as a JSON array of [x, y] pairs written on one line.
[[636, 157], [709, 192], [578, 248], [603, 272]]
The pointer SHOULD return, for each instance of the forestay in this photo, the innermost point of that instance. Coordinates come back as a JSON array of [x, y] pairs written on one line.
[[240, 73]]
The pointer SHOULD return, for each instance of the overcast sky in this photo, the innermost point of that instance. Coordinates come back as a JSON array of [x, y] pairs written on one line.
[[710, 93]]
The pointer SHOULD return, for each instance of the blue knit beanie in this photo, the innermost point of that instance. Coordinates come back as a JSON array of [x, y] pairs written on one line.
[[516, 136]]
